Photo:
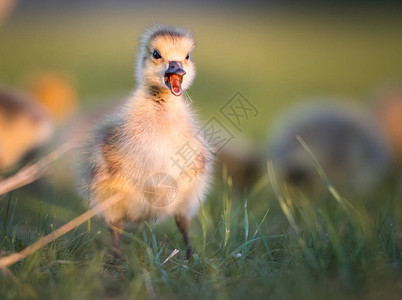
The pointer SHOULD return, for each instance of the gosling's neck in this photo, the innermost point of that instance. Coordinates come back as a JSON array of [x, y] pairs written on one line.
[[152, 106], [158, 94]]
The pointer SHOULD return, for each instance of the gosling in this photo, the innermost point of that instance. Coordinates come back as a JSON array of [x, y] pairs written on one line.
[[24, 126], [152, 151], [346, 140]]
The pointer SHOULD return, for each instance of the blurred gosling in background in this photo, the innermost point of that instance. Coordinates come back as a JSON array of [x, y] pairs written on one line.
[[347, 141], [24, 125], [56, 93], [243, 162], [388, 108]]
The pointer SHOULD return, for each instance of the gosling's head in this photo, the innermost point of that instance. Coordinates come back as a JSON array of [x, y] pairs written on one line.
[[165, 59]]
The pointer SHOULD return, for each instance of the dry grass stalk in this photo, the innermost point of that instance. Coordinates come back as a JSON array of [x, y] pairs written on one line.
[[13, 258], [35, 171], [173, 254]]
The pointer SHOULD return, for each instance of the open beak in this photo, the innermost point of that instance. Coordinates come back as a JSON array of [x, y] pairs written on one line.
[[174, 77]]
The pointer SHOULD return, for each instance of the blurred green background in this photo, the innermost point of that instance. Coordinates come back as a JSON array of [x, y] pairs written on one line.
[[273, 54]]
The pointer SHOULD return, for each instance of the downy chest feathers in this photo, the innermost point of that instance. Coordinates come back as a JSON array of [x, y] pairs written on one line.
[[155, 132]]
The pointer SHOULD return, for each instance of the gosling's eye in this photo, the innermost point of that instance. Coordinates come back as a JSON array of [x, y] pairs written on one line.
[[156, 55], [188, 57]]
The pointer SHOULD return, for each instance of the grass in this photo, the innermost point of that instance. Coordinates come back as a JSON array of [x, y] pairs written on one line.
[[269, 245]]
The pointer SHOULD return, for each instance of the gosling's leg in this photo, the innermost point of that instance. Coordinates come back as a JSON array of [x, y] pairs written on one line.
[[183, 223], [116, 229]]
